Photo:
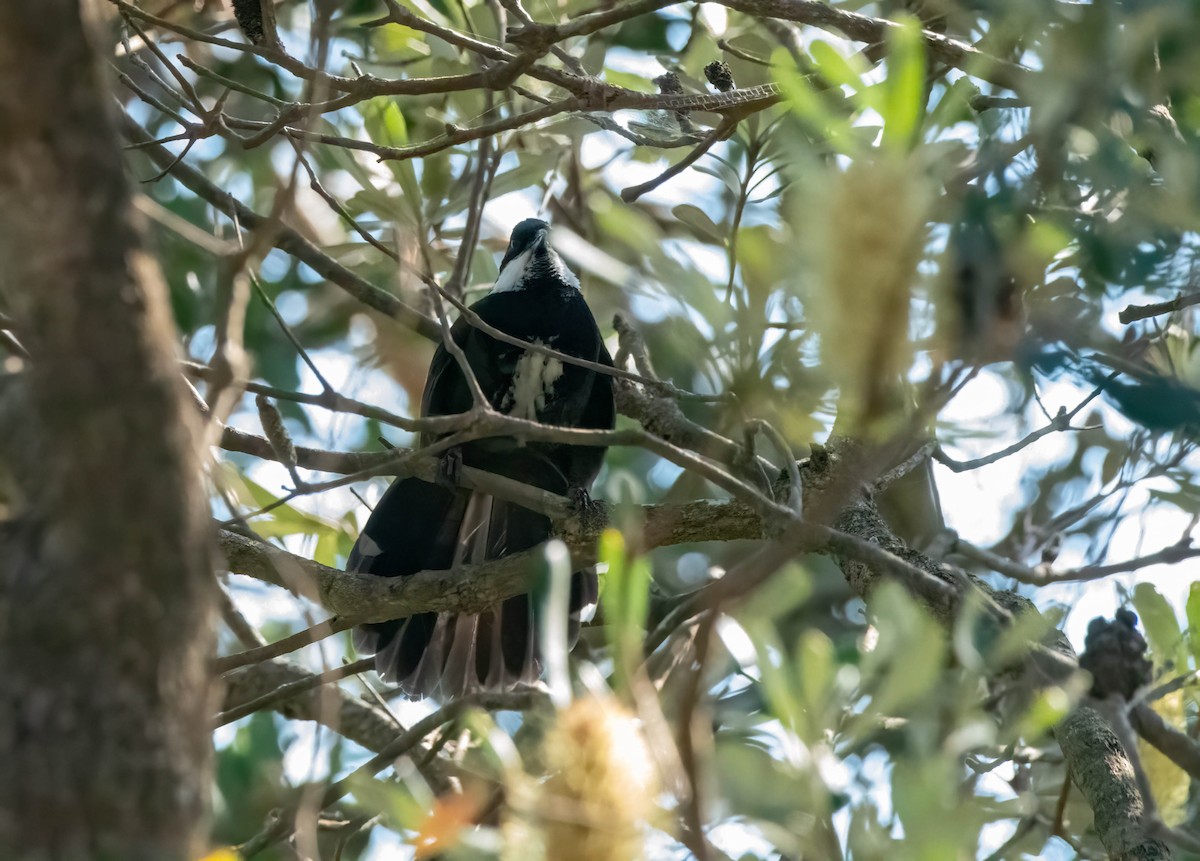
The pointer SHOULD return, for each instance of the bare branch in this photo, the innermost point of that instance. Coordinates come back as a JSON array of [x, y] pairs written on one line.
[[1111, 789], [1177, 746], [399, 747], [290, 689], [367, 597], [361, 722], [283, 646], [722, 131], [1060, 422], [1132, 313], [285, 239], [874, 31], [1043, 575]]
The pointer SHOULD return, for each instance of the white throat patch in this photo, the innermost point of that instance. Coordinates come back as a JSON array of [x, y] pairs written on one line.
[[512, 276], [515, 272]]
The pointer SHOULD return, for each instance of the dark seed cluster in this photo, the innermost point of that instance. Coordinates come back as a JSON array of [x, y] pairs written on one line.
[[249, 18], [668, 83], [719, 75], [1115, 655]]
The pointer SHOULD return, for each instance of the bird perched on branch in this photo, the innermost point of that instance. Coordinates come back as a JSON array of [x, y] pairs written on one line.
[[419, 525]]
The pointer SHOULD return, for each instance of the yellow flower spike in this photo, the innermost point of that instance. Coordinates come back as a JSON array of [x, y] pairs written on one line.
[[865, 231], [602, 785]]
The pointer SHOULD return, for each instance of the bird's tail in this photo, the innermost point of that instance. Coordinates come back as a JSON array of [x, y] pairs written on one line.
[[419, 526]]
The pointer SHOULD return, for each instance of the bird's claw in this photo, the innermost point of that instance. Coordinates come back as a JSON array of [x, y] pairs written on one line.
[[583, 503], [589, 514], [450, 467], [580, 498]]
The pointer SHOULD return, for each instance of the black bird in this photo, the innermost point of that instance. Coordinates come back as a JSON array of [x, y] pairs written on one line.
[[418, 525]]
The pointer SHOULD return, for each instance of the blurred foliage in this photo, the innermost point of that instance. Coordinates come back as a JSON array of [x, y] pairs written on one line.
[[892, 220]]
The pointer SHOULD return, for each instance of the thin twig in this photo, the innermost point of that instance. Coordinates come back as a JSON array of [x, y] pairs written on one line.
[[291, 689], [1060, 422], [291, 336], [722, 130], [288, 644], [477, 322], [795, 483], [285, 239], [334, 402], [1043, 575], [1132, 313], [406, 741], [237, 623], [336, 205], [485, 169]]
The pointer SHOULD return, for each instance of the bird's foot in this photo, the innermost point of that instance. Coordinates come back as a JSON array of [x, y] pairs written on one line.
[[588, 512], [450, 467], [580, 498]]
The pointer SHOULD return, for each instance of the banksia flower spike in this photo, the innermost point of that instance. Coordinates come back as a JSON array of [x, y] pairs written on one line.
[[602, 785]]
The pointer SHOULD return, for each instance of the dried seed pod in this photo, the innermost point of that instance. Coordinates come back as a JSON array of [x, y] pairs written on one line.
[[719, 75], [249, 17], [277, 435], [1115, 654], [668, 83]]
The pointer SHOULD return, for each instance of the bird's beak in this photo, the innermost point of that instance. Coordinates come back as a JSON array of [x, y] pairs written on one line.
[[543, 240]]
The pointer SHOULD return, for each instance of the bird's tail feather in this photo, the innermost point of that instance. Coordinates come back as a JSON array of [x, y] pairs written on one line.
[[443, 654]]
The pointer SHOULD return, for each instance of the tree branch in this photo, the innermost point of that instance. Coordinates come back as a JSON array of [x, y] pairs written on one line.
[[1104, 775], [1175, 745], [471, 588], [874, 31], [1132, 313], [285, 238], [361, 722], [308, 684]]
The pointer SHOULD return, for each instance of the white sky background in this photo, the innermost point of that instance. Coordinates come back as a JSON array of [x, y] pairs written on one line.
[[977, 504]]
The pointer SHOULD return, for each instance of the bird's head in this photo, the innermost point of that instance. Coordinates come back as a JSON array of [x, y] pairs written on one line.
[[530, 235], [528, 252]]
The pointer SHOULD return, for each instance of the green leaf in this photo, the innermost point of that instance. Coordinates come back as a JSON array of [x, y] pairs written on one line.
[[756, 784], [815, 668], [845, 71], [778, 686], [1193, 620], [528, 174], [909, 657], [626, 601], [1048, 708], [386, 125], [396, 802], [702, 226], [722, 173], [553, 594], [808, 105], [1159, 622], [904, 87], [955, 104]]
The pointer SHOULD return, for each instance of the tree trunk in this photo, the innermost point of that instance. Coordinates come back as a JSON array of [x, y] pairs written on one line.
[[106, 589]]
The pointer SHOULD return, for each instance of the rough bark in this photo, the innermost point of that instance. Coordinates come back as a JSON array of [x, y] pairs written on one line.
[[1092, 750], [106, 588], [1104, 775]]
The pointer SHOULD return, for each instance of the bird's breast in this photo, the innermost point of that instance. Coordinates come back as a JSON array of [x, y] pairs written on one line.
[[533, 381]]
